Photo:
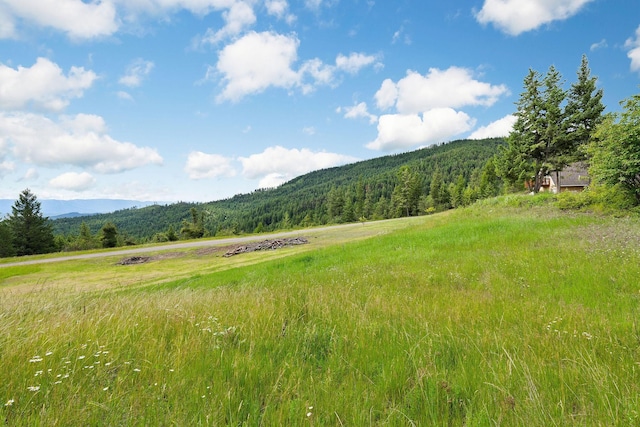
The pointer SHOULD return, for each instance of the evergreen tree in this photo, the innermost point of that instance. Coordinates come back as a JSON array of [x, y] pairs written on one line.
[[31, 232], [406, 193], [584, 112], [109, 237]]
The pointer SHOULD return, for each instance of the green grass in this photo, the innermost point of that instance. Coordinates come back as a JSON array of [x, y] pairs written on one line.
[[491, 315]]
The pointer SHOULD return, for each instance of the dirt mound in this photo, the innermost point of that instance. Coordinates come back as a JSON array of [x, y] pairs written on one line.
[[266, 245]]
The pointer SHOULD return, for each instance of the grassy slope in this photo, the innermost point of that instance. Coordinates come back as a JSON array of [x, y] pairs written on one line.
[[489, 315]]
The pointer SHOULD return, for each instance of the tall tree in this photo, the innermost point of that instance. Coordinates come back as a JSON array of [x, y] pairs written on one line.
[[584, 112], [513, 162], [31, 231], [615, 148], [406, 193]]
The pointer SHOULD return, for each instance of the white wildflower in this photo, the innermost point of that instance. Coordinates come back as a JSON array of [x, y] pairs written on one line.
[[33, 388], [9, 402]]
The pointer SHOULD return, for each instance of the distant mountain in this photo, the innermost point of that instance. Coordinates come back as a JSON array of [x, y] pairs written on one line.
[[78, 207]]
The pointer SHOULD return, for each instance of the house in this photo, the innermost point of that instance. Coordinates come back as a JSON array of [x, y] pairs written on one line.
[[574, 177]]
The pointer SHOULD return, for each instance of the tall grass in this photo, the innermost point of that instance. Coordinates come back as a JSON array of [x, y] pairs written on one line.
[[487, 316]]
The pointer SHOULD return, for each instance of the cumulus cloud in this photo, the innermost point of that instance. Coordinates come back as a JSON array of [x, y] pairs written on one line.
[[80, 140], [426, 107], [136, 72], [403, 131], [237, 18], [77, 18], [454, 87], [202, 165], [518, 16], [499, 128], [276, 165], [634, 51], [358, 111], [73, 181], [354, 62], [43, 85], [258, 61]]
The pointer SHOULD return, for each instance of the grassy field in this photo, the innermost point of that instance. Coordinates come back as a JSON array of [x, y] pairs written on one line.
[[500, 314]]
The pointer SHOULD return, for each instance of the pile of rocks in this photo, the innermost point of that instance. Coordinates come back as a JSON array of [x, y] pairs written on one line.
[[266, 245]]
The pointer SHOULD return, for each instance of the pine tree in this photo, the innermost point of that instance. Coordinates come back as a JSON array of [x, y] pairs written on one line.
[[31, 231], [109, 236], [584, 112]]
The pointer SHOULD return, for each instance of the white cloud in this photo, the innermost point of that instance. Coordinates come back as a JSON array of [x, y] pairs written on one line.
[[6, 167], [309, 130], [7, 26], [202, 165], [634, 51], [279, 8], [518, 16], [313, 4], [403, 131], [42, 85], [31, 174], [276, 165], [79, 140], [354, 62], [600, 45], [387, 95], [255, 62], [258, 61], [454, 87], [159, 7], [136, 72], [77, 18], [73, 181], [499, 128], [359, 111], [237, 18], [124, 95]]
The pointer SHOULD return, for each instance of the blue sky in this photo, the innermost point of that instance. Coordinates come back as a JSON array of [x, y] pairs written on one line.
[[198, 100]]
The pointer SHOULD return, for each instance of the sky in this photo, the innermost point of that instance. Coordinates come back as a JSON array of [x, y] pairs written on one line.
[[199, 100]]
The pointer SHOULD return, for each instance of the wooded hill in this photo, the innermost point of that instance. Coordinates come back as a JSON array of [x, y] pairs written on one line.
[[362, 190]]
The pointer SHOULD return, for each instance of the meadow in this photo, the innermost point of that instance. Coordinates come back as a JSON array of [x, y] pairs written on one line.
[[510, 312]]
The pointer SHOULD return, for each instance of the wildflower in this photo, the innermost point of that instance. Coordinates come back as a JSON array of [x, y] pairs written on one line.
[[105, 389], [136, 370], [9, 402], [35, 359], [38, 373], [80, 357], [33, 388], [587, 335], [48, 353]]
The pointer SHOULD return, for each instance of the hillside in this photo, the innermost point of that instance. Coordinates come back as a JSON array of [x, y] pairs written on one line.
[[365, 186]]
